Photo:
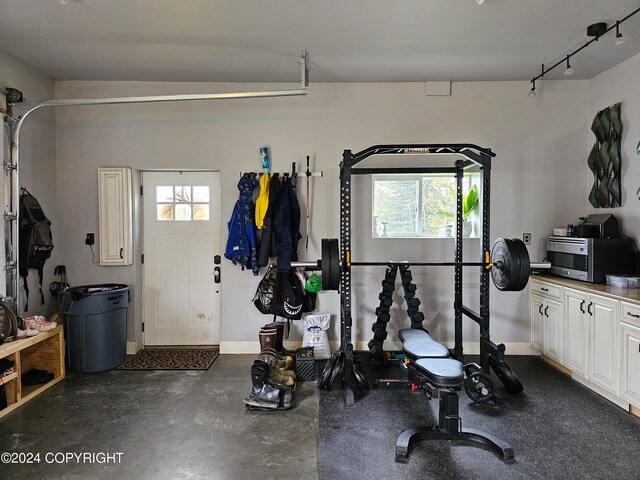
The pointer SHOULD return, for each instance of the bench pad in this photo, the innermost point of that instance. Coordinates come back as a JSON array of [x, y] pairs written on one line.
[[443, 372], [419, 347], [410, 333]]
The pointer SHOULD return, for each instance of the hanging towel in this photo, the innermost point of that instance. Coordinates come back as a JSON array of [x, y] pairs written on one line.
[[241, 244], [262, 202]]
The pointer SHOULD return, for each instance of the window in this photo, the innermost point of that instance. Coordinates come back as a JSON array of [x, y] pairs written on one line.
[[414, 205], [182, 203]]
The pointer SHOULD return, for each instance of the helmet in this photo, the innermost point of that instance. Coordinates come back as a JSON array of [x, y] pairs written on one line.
[[314, 284]]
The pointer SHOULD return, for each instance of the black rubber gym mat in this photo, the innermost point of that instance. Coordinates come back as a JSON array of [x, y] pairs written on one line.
[[558, 429]]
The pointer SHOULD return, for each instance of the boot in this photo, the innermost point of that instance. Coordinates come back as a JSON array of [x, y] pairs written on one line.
[[267, 341], [279, 346], [283, 361], [275, 376], [273, 363], [286, 393], [265, 395]]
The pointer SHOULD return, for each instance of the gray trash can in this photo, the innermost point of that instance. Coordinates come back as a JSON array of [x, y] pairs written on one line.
[[96, 326]]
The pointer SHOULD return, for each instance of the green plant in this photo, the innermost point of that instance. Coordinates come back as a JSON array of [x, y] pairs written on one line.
[[469, 202]]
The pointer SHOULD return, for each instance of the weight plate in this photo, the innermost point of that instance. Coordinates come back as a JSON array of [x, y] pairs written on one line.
[[334, 265], [359, 378], [338, 368], [506, 259], [479, 387], [323, 381], [507, 376], [326, 264], [525, 265]]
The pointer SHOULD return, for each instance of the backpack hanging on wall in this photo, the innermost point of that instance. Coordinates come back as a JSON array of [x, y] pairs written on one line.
[[35, 240]]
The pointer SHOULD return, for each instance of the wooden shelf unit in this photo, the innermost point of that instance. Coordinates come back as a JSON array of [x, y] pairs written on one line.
[[44, 351]]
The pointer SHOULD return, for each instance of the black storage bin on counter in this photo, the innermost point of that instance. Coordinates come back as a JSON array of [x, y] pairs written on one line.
[[96, 326]]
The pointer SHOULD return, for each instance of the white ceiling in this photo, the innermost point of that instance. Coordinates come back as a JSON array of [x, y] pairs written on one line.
[[347, 40]]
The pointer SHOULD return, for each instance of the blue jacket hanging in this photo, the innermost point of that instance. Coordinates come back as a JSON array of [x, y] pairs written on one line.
[[241, 244]]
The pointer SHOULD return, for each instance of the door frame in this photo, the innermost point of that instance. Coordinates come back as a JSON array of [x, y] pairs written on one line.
[[140, 228]]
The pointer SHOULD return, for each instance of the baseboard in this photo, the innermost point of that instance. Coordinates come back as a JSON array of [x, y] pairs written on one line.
[[243, 347], [555, 364], [602, 392], [132, 348]]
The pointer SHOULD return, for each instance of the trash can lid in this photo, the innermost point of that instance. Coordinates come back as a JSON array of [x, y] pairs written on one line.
[[87, 290]]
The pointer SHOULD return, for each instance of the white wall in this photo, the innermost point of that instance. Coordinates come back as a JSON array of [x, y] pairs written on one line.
[[539, 142], [619, 84], [37, 168]]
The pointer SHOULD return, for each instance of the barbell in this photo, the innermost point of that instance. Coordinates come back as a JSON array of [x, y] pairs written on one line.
[[508, 263]]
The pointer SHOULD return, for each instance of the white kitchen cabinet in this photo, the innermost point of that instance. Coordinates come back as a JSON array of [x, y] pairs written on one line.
[[595, 338], [630, 354], [604, 342], [536, 327], [553, 318], [547, 319], [115, 216], [576, 332]]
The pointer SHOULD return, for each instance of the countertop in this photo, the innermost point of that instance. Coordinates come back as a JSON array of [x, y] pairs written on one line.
[[631, 295]]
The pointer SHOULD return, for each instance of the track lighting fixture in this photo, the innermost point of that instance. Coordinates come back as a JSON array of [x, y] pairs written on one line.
[[620, 40], [568, 71], [596, 31]]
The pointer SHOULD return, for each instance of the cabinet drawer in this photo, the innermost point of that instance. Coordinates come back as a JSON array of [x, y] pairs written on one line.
[[545, 289], [631, 314]]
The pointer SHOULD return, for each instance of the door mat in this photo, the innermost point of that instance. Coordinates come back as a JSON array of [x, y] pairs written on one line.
[[171, 359]]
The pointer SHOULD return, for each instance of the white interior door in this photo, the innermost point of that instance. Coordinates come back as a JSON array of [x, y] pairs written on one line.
[[181, 238]]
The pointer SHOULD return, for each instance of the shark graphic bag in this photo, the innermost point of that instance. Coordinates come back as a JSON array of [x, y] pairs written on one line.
[[289, 298]]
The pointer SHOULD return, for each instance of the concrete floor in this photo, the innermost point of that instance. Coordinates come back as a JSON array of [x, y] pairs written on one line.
[[166, 424]]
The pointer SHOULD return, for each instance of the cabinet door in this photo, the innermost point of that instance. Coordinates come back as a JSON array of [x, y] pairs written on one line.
[[630, 371], [576, 330], [553, 327], [116, 238], [604, 342], [536, 328]]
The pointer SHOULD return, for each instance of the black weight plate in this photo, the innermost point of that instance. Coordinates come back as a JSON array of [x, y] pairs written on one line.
[[323, 381], [506, 260], [338, 368], [507, 376], [359, 378], [479, 387], [326, 264], [334, 266], [525, 265]]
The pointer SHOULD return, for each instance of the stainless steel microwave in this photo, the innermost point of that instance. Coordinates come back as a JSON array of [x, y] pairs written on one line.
[[590, 259]]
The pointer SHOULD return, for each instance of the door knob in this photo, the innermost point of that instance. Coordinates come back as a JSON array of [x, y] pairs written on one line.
[[216, 275]]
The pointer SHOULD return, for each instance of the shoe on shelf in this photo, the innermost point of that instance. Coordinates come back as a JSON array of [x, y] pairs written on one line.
[[27, 333], [8, 371], [38, 322]]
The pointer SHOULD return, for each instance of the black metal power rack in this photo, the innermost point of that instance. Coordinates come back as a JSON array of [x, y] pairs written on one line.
[[491, 355]]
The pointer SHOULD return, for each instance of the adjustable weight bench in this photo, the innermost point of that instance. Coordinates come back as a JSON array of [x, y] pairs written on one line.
[[429, 369]]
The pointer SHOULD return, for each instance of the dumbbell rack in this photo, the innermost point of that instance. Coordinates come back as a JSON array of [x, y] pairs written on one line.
[[468, 156], [383, 315]]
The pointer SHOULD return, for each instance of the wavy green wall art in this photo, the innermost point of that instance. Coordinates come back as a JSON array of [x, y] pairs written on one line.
[[604, 159]]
